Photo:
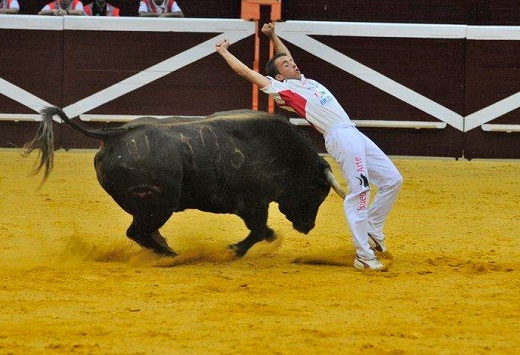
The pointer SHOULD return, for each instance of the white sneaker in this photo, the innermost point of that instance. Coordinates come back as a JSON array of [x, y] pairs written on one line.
[[377, 245], [370, 264]]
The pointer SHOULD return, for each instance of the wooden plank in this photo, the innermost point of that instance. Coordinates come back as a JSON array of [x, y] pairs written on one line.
[[492, 74], [16, 134], [426, 11], [106, 58], [31, 60]]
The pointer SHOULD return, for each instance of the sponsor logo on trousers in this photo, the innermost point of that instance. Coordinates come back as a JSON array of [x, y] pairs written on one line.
[[363, 181], [362, 201], [359, 164]]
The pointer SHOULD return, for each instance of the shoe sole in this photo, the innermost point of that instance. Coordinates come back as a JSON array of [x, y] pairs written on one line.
[[362, 266], [377, 248]]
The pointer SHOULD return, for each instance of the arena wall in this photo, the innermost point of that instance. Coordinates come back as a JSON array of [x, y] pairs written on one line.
[[467, 12], [448, 89]]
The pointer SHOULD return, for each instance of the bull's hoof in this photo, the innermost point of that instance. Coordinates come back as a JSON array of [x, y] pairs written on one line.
[[271, 238], [164, 252], [239, 252], [269, 235]]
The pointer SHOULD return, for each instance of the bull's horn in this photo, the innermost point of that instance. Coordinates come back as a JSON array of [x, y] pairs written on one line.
[[331, 179]]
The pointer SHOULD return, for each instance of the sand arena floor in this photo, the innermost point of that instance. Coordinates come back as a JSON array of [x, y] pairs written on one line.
[[71, 282]]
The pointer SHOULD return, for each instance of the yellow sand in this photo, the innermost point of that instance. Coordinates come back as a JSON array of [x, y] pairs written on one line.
[[71, 282]]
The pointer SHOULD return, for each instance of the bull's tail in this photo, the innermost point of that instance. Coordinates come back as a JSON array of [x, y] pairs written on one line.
[[44, 139], [49, 112], [334, 183]]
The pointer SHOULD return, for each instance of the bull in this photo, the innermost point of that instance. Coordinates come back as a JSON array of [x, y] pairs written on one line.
[[235, 162]]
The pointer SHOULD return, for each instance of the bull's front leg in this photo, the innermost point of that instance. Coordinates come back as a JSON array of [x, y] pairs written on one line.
[[254, 237], [255, 218]]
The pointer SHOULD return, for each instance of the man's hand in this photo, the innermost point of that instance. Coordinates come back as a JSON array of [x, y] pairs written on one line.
[[279, 47], [240, 68], [222, 46], [268, 29], [58, 12]]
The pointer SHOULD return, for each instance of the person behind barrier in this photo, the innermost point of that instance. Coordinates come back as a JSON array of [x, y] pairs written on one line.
[[9, 7], [100, 8], [160, 8], [360, 159], [63, 8]]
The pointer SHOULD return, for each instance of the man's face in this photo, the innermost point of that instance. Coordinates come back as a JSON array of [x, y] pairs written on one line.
[[287, 69]]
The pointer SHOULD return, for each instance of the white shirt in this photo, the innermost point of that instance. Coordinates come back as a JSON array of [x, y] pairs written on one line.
[[160, 8], [79, 6], [13, 5], [310, 100]]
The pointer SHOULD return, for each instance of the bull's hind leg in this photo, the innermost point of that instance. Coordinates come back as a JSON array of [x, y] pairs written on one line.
[[144, 230], [148, 205], [256, 221]]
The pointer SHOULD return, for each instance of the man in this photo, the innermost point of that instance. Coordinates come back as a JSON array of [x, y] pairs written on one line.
[[101, 8], [361, 161], [160, 8], [9, 7], [62, 8]]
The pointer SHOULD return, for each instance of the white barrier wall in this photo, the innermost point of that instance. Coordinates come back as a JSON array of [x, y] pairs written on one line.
[[416, 89]]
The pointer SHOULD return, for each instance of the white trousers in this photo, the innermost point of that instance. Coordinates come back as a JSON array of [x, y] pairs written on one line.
[[363, 163]]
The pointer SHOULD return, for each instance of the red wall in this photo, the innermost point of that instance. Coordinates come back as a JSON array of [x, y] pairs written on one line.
[[469, 12], [464, 75]]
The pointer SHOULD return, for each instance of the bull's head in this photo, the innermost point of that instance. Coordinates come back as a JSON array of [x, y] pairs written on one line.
[[301, 205]]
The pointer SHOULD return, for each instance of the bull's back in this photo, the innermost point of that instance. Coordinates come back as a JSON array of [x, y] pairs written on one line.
[[256, 156], [212, 164]]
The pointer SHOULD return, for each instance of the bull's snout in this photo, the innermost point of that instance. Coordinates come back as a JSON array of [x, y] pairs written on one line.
[[303, 226]]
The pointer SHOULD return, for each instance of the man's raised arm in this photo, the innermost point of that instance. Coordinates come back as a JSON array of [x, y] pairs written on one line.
[[240, 68], [279, 46]]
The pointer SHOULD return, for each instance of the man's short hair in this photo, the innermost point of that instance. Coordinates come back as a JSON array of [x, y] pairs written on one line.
[[270, 68]]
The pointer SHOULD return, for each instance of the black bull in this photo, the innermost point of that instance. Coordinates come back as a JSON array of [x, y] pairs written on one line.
[[230, 162]]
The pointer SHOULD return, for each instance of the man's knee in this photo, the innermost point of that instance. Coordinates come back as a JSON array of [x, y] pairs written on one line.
[[395, 182]]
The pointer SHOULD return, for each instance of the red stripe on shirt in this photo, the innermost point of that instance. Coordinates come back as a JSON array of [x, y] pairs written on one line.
[[294, 101]]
